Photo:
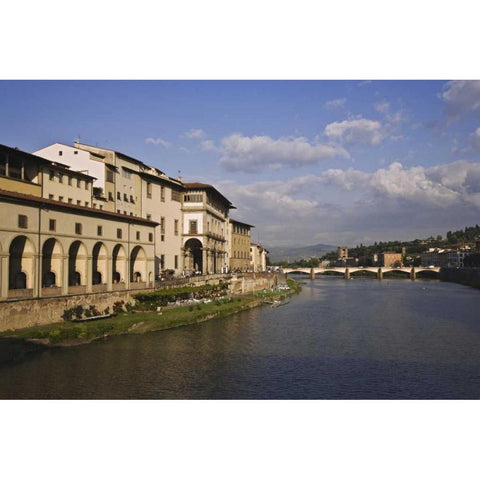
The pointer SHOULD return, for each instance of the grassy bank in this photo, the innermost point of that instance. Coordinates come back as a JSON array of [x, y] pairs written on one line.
[[71, 333]]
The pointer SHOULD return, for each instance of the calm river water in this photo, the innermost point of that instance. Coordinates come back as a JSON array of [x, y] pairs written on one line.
[[337, 339]]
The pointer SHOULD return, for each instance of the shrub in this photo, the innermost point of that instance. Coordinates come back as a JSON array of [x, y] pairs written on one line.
[[107, 311], [68, 314], [118, 307], [190, 308], [78, 311]]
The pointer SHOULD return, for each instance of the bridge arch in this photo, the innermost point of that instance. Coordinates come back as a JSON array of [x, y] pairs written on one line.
[[52, 263]]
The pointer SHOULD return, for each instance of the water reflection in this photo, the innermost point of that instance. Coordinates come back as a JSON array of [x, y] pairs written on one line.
[[338, 339]]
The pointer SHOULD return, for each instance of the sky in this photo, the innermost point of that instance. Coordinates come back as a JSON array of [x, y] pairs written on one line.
[[306, 162]]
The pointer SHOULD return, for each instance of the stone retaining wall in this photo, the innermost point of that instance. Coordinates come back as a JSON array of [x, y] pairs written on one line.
[[15, 314]]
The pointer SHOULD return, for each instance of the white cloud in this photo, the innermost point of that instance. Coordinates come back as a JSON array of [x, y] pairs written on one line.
[[461, 96], [475, 139], [208, 145], [252, 154], [337, 103], [157, 141], [358, 131], [382, 107], [194, 133], [392, 202]]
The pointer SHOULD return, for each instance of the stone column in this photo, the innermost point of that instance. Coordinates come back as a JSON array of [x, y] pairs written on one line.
[[64, 275], [109, 273], [312, 274], [204, 261], [413, 275], [380, 274], [37, 276], [4, 277], [89, 273], [347, 274]]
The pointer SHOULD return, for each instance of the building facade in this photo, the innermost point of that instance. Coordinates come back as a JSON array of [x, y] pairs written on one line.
[[239, 246], [53, 246], [258, 258], [205, 229]]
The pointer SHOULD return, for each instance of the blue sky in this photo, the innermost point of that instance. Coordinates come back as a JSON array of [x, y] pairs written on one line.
[[305, 161]]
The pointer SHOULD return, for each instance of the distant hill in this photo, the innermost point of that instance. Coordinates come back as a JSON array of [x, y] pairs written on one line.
[[279, 254]]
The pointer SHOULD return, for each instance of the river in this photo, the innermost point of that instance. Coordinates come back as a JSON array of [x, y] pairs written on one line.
[[337, 339]]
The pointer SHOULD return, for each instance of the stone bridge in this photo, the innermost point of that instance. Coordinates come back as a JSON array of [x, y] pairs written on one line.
[[347, 271]]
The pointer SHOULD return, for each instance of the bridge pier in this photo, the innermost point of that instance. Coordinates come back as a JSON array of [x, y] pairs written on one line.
[[347, 274], [380, 274], [413, 275], [312, 274]]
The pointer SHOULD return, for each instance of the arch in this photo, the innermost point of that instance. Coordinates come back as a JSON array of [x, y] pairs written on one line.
[[77, 264], [119, 264], [52, 263], [138, 265], [193, 255], [99, 263], [395, 273], [21, 265]]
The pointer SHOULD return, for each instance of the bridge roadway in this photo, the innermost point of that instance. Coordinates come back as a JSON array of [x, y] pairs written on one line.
[[347, 271]]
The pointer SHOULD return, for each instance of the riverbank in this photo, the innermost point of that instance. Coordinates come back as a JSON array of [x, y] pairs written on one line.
[[465, 276], [70, 333]]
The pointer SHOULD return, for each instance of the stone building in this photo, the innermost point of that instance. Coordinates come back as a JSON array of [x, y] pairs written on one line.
[[205, 229], [389, 259], [239, 246], [52, 242], [127, 186], [258, 258]]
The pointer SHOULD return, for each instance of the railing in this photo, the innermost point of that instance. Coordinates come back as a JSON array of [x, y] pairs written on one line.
[[20, 293]]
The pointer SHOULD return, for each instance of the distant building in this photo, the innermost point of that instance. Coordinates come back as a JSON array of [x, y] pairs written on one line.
[[444, 258], [258, 258], [389, 259], [342, 252], [239, 242], [347, 262]]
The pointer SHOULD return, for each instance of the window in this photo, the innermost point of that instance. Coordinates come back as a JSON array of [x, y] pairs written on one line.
[[60, 153], [99, 230], [162, 261], [138, 235], [79, 202], [79, 183], [60, 199], [149, 216], [119, 233], [86, 204], [176, 197], [162, 194], [22, 221], [150, 237], [149, 190], [131, 199], [60, 178], [70, 200], [51, 175], [50, 196], [125, 197], [162, 224], [78, 228], [118, 211], [193, 227], [162, 238], [176, 262], [101, 207], [110, 196], [193, 198], [52, 225], [126, 174], [109, 176], [119, 196], [175, 227], [69, 180], [87, 185], [75, 152], [124, 212]]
